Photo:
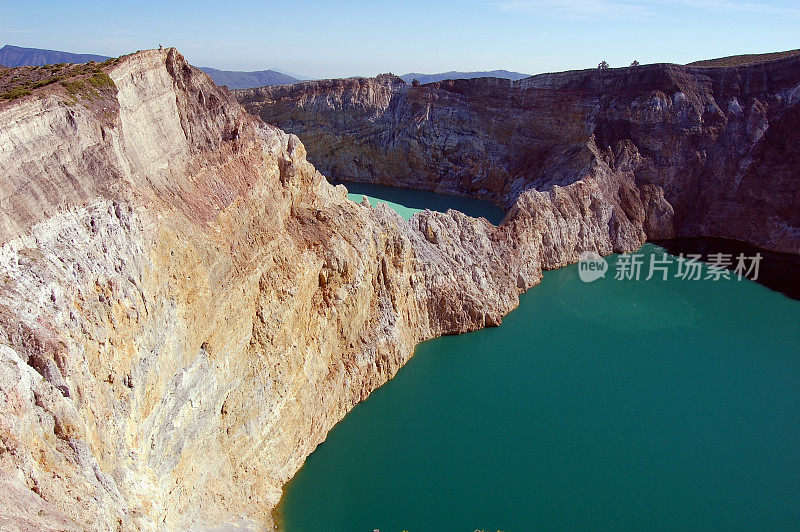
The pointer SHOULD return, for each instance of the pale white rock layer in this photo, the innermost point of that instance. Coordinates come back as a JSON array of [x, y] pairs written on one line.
[[187, 306]]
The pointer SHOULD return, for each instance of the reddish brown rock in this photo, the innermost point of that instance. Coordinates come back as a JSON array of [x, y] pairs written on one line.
[[187, 306], [712, 151]]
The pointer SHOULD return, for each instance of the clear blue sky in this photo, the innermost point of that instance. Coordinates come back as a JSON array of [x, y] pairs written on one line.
[[344, 38]]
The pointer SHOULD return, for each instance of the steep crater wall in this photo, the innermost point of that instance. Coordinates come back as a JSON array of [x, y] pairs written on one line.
[[187, 306], [710, 151]]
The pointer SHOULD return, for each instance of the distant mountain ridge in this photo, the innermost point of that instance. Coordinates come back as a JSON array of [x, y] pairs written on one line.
[[247, 80], [432, 78], [298, 77], [13, 56]]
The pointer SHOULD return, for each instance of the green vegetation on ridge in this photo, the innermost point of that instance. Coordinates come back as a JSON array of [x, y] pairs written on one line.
[[87, 79]]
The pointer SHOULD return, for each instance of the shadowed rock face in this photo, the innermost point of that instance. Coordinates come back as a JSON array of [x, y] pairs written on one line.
[[710, 151], [187, 306]]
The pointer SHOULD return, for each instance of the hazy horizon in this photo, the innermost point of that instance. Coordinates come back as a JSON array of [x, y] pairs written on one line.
[[314, 39]]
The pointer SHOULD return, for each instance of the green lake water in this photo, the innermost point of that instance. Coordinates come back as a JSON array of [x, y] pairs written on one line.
[[408, 202], [613, 405]]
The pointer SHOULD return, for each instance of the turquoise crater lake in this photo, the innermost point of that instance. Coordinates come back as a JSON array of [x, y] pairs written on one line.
[[611, 405], [408, 202]]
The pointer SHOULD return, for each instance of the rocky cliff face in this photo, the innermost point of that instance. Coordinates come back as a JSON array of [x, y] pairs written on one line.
[[699, 151], [187, 306]]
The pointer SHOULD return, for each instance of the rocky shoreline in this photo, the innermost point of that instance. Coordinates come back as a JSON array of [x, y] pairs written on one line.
[[187, 306], [707, 151]]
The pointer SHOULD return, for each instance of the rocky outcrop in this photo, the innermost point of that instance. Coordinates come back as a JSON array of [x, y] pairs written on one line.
[[700, 151], [187, 306]]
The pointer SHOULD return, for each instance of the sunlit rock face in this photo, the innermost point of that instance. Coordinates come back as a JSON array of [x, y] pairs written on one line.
[[697, 151], [187, 306]]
